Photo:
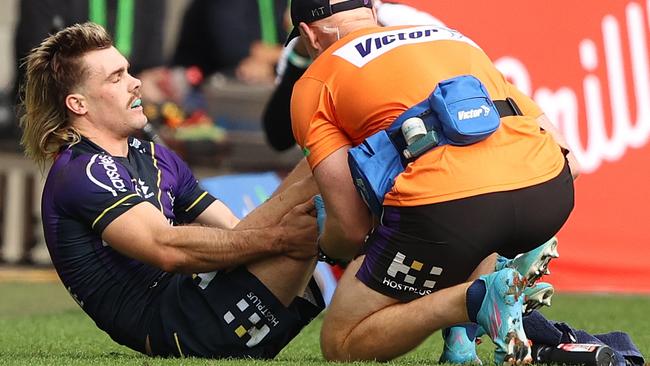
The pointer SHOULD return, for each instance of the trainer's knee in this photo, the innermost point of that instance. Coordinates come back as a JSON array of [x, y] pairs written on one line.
[[332, 345]]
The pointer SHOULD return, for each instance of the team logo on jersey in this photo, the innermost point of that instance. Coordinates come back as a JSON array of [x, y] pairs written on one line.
[[364, 49], [110, 169], [253, 319], [135, 143], [410, 275], [142, 189]]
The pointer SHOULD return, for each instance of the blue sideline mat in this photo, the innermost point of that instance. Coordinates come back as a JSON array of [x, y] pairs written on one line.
[[242, 192]]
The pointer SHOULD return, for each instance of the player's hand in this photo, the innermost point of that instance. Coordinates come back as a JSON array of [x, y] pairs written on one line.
[[300, 231]]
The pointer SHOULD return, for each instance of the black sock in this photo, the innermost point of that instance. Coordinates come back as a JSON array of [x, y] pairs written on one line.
[[474, 298]]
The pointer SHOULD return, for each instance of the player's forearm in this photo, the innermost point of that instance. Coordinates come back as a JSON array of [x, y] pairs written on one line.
[[190, 249]]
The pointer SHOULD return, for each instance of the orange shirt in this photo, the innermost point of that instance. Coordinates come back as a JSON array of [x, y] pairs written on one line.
[[368, 78]]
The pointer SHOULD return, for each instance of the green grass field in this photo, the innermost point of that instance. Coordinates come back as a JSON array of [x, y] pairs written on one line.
[[41, 325]]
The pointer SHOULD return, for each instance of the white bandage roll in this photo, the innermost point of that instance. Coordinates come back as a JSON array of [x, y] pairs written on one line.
[[413, 129]]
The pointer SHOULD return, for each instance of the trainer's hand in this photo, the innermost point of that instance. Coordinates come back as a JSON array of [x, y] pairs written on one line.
[[300, 231], [574, 166]]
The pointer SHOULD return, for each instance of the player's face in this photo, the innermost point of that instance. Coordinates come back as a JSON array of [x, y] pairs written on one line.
[[113, 95]]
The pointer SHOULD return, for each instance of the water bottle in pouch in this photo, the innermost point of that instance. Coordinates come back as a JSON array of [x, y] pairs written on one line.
[[418, 139]]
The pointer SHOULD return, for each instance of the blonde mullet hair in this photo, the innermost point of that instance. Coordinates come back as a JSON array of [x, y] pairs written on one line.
[[53, 70]]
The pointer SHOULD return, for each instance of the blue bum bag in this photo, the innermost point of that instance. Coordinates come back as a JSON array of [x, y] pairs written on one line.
[[458, 112]]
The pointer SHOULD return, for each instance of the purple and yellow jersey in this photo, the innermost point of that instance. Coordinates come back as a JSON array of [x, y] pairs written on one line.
[[86, 189]]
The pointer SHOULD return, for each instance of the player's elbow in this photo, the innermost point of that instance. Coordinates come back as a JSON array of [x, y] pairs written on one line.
[[168, 257], [171, 263]]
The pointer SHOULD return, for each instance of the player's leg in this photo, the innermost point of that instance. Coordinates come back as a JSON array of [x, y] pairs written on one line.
[[224, 315], [285, 277], [299, 172], [246, 312]]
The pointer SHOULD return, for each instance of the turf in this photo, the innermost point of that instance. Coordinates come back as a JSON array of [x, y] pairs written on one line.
[[41, 325]]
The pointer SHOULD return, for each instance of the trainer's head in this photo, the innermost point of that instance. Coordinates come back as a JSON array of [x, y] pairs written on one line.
[[323, 22]]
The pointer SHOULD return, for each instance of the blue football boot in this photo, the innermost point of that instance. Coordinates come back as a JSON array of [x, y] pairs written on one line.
[[537, 295], [459, 349], [534, 264], [501, 316]]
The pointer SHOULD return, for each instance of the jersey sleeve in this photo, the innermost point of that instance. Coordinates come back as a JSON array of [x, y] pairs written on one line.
[[190, 199], [313, 121], [95, 189]]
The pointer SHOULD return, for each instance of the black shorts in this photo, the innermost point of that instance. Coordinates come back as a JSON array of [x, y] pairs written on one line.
[[229, 315], [418, 250]]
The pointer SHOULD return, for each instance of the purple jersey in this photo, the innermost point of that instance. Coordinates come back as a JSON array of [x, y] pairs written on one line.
[[86, 189]]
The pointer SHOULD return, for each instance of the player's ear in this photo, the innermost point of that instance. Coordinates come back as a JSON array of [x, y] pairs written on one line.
[[76, 103]]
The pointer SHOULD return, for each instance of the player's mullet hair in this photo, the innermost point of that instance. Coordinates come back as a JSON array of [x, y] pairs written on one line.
[[54, 69]]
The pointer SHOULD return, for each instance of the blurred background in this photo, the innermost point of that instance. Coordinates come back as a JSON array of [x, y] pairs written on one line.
[[209, 68]]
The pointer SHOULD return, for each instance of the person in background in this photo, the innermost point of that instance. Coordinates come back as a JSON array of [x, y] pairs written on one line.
[[240, 39], [136, 26]]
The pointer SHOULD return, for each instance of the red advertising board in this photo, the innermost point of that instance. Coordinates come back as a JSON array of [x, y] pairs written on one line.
[[586, 64]]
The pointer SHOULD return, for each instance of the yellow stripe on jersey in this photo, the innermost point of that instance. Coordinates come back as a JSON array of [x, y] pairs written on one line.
[[112, 207], [196, 202], [155, 164]]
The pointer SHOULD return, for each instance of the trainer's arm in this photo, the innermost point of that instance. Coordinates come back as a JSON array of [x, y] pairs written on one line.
[[348, 218], [143, 233], [546, 124], [530, 108]]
